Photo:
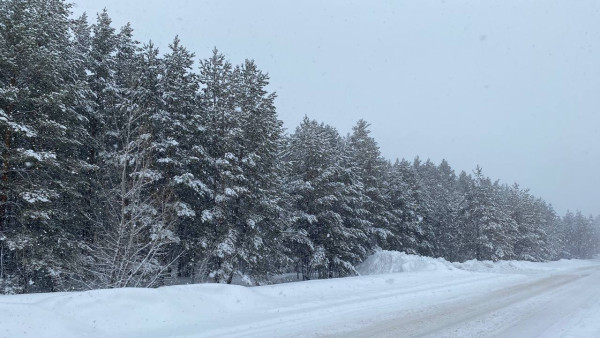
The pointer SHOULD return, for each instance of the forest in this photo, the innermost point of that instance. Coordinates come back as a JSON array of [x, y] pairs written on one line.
[[126, 166]]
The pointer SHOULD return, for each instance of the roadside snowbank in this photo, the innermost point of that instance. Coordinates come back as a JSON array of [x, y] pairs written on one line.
[[384, 262], [311, 308], [522, 266], [393, 262], [216, 310]]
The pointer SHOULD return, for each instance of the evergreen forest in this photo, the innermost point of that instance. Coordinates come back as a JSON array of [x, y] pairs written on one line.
[[126, 166]]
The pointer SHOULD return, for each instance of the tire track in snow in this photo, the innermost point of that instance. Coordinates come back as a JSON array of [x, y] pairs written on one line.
[[304, 319], [474, 316]]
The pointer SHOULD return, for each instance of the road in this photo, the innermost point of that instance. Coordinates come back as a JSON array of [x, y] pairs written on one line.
[[565, 304]]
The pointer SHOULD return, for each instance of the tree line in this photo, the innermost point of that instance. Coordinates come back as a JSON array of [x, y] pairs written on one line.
[[122, 166]]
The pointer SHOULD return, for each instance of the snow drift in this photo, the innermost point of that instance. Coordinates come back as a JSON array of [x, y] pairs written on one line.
[[384, 262], [393, 261]]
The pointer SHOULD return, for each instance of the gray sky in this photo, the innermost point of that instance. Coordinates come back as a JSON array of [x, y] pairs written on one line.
[[513, 86]]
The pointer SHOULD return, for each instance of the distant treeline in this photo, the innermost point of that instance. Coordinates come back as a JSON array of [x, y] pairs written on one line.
[[124, 167]]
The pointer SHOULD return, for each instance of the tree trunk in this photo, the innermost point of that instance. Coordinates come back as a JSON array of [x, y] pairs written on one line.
[[6, 164], [5, 169]]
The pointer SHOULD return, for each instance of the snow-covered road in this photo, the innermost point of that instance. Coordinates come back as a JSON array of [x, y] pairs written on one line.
[[415, 296], [566, 304]]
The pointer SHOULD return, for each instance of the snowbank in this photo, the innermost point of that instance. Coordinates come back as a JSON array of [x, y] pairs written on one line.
[[393, 261], [393, 283], [216, 310], [384, 262], [522, 266]]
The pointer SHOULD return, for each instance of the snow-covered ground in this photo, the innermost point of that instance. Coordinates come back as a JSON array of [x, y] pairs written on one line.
[[396, 295]]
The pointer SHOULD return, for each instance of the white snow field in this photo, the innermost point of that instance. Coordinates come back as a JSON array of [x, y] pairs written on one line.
[[397, 295]]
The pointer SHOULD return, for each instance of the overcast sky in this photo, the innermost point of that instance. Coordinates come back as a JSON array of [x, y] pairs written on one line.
[[513, 86]]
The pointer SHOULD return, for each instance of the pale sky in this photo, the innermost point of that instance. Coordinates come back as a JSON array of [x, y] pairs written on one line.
[[513, 86]]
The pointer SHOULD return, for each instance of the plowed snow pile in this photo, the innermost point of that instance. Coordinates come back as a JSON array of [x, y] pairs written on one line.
[[383, 262], [393, 261]]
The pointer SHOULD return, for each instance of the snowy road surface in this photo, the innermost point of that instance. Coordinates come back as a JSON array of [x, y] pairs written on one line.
[[565, 304], [427, 298]]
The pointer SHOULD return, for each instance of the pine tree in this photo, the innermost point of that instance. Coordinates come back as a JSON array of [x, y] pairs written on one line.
[[176, 129], [596, 235], [258, 149], [101, 80], [95, 49], [134, 242], [531, 241], [490, 230], [432, 206], [552, 225], [42, 134], [370, 169], [447, 200], [243, 137], [221, 169], [330, 235], [580, 235], [410, 235]]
